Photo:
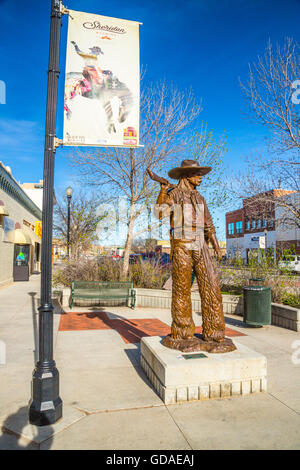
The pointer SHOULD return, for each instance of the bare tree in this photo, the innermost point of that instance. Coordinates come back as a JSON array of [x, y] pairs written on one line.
[[269, 188], [166, 113], [83, 222], [270, 93], [167, 136], [209, 150]]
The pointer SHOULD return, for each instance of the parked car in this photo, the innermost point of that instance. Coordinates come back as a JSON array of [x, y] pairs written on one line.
[[135, 257], [164, 259], [116, 257], [291, 263], [157, 258]]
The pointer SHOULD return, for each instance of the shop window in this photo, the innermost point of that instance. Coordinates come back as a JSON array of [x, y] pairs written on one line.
[[239, 226], [21, 256], [21, 262], [231, 229]]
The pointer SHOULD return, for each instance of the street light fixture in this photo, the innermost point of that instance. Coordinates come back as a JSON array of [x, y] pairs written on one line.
[[69, 192], [265, 232]]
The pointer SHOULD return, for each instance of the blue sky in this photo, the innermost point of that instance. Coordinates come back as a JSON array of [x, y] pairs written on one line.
[[205, 44]]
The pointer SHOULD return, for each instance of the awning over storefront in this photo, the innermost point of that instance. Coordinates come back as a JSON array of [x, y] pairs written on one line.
[[19, 236], [33, 236], [3, 210]]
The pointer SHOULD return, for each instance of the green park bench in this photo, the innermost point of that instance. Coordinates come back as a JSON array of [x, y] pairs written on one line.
[[105, 291]]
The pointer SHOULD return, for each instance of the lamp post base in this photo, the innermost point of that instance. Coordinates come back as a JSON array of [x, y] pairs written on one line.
[[46, 404]]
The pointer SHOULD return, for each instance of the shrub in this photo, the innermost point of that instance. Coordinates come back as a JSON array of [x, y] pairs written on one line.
[[293, 300], [144, 273], [149, 274], [233, 279]]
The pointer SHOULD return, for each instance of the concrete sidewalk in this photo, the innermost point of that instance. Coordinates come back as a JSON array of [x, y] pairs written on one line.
[[109, 403]]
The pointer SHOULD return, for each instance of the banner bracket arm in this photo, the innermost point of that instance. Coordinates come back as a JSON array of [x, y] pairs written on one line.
[[57, 142], [63, 10]]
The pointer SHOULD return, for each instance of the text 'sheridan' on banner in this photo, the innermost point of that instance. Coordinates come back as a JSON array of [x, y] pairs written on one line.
[[102, 86]]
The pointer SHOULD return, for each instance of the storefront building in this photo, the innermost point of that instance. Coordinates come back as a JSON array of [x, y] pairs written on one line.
[[20, 231], [257, 225]]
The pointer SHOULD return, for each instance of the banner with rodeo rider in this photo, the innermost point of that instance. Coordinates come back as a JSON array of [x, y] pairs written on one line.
[[102, 83]]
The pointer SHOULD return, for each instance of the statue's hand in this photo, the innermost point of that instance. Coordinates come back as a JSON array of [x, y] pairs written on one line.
[[164, 186], [219, 254]]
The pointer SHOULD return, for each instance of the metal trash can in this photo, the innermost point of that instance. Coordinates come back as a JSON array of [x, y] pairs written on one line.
[[256, 281], [257, 303]]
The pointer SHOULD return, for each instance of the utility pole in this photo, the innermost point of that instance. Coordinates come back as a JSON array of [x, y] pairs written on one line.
[[46, 404], [69, 192], [149, 222]]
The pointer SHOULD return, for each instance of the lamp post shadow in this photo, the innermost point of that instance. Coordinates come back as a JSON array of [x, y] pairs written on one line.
[[35, 326], [13, 435]]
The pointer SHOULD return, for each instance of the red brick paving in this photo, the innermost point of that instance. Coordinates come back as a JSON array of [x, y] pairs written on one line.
[[84, 321], [131, 331]]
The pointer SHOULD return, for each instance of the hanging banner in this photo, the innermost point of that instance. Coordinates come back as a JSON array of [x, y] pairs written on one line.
[[38, 228], [102, 84], [8, 230]]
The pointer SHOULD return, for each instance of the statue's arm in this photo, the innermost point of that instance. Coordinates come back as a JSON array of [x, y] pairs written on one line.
[[164, 202], [210, 231]]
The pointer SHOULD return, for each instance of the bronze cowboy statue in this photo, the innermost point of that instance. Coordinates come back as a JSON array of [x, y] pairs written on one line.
[[191, 230]]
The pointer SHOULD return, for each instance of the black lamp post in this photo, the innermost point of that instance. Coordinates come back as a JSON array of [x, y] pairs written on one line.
[[265, 232], [46, 404], [69, 192]]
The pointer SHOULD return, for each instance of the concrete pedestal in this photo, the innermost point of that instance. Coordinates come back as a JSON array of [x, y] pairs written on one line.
[[179, 377]]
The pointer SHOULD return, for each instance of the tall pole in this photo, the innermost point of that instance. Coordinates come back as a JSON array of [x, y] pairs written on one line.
[[265, 232], [68, 234], [69, 192], [46, 405], [160, 230], [149, 221]]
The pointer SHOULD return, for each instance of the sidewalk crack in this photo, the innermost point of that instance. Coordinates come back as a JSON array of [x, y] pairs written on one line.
[[283, 403], [181, 432], [88, 413]]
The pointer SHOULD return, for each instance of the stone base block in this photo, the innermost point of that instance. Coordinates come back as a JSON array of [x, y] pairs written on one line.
[[286, 316], [179, 377]]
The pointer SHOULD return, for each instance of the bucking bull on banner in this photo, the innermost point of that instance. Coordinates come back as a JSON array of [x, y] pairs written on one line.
[[97, 84]]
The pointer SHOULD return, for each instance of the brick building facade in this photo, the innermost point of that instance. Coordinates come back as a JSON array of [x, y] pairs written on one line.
[[256, 225]]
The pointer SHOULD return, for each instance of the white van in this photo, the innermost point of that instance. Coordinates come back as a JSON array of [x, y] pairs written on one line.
[[290, 262]]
